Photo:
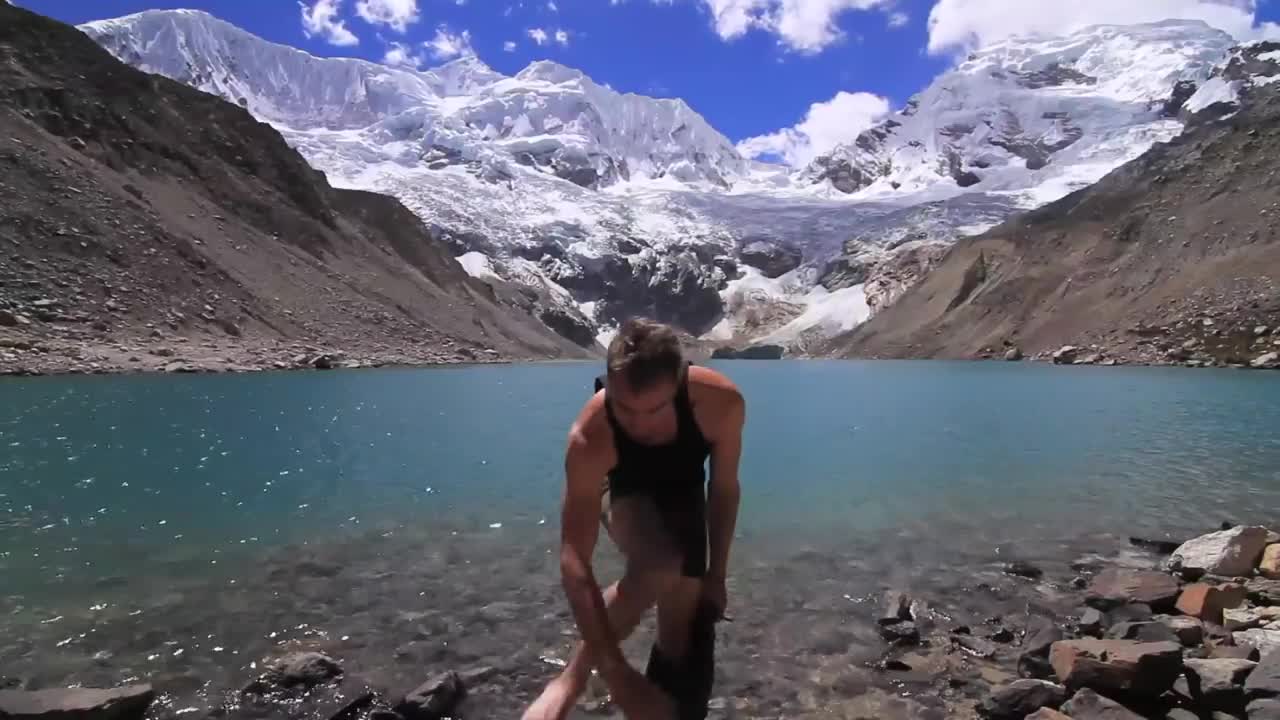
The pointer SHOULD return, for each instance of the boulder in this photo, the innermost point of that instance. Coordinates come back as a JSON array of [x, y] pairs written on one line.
[[1263, 710], [1229, 553], [1238, 652], [1263, 640], [1019, 698], [1119, 665], [1264, 681], [1089, 705], [1013, 354], [123, 703], [1207, 602], [1266, 361], [1160, 547], [902, 633], [1065, 355], [8, 318], [771, 259], [1119, 586], [1269, 566], [433, 700], [1216, 684], [976, 647], [1189, 631], [1022, 568]]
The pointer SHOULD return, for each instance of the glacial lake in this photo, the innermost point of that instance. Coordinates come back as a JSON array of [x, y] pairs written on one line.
[[147, 520]]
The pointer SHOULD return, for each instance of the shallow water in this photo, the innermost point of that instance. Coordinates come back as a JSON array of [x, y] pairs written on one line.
[[164, 527]]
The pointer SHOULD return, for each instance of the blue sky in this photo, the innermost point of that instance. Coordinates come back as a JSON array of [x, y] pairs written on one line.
[[811, 72]]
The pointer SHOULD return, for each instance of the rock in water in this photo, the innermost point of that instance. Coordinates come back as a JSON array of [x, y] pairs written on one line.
[[975, 646], [1160, 547], [123, 703], [1013, 354], [1121, 665], [1065, 355], [1229, 553], [1266, 361], [1264, 681], [1207, 602], [433, 700], [1024, 569], [1118, 586], [1216, 684], [1089, 705], [1020, 698], [1033, 662], [1264, 640], [896, 608], [901, 633], [307, 669], [1269, 567]]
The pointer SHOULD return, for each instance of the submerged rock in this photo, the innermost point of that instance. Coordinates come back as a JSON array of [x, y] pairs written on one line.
[[433, 700], [122, 703]]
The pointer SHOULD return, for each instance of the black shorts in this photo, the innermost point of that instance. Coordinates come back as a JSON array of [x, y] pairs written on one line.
[[682, 516]]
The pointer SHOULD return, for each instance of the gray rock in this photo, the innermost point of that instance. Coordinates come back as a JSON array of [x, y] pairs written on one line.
[[1033, 661], [1249, 618], [1216, 684], [975, 646], [1019, 698], [122, 703], [1263, 710], [1013, 354], [769, 257], [1022, 568], [1263, 591], [307, 669], [433, 700], [1181, 714], [1228, 553], [1266, 641], [901, 633], [8, 318], [1264, 681], [1089, 705], [1065, 355], [1266, 361]]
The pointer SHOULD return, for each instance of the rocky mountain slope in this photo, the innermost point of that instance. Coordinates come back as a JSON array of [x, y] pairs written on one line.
[[146, 224], [609, 204], [1172, 257]]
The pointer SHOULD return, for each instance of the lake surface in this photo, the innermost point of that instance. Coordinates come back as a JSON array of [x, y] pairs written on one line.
[[146, 515]]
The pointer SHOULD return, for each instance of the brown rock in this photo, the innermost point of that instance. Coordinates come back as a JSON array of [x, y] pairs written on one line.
[[1119, 586], [1122, 665], [1089, 705], [1047, 714], [1269, 567], [122, 703], [1207, 602]]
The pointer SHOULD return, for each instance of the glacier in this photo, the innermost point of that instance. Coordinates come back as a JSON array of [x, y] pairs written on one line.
[[606, 204]]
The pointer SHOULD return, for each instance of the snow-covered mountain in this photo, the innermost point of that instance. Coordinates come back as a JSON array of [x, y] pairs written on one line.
[[1036, 115], [606, 204]]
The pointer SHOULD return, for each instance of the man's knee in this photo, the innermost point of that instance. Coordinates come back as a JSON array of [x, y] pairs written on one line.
[[657, 573]]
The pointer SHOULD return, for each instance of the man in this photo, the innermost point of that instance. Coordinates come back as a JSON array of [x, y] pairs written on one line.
[[643, 439]]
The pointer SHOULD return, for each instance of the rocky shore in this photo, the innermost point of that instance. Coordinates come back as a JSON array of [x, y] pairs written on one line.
[[1167, 630]]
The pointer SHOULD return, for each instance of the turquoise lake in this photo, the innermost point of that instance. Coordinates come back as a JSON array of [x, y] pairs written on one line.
[[156, 493]]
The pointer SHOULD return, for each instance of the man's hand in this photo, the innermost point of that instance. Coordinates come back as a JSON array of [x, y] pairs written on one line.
[[638, 698], [715, 593]]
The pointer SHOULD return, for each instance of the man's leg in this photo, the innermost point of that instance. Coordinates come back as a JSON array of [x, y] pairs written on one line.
[[652, 568]]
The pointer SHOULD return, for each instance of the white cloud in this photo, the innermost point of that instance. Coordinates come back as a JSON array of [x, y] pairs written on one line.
[[551, 5], [898, 19], [447, 45], [806, 26], [961, 25], [562, 37], [400, 55], [827, 124], [509, 46], [321, 19], [537, 35], [395, 14]]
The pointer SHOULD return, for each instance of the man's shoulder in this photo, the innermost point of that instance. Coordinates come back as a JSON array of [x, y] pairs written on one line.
[[590, 430], [713, 386]]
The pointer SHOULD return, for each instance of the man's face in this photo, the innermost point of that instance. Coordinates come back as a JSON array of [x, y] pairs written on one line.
[[647, 414]]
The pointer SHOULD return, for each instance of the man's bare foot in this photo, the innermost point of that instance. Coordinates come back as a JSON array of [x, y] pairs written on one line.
[[555, 701]]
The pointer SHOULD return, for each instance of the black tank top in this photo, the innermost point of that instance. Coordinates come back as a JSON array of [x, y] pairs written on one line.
[[672, 468]]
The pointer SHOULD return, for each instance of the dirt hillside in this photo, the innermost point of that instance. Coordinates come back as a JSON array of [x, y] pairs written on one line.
[[147, 225]]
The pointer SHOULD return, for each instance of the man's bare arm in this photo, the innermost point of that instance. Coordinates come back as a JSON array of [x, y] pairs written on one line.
[[580, 528], [724, 490]]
